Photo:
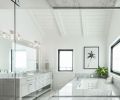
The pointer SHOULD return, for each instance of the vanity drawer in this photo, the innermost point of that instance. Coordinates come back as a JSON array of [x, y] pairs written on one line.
[[23, 81], [39, 82], [43, 80], [39, 85], [24, 90], [31, 85], [27, 86]]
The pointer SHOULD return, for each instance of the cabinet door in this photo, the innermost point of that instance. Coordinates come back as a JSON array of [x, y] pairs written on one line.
[[43, 80], [24, 90], [39, 82], [47, 79], [31, 85], [23, 87]]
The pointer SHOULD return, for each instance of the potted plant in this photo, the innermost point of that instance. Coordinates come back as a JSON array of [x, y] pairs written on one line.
[[102, 72]]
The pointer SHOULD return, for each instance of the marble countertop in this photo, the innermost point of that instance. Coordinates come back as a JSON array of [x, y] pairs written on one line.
[[19, 75]]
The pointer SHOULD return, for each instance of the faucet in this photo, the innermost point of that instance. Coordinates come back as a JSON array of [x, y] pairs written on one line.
[[5, 71], [91, 75], [77, 76]]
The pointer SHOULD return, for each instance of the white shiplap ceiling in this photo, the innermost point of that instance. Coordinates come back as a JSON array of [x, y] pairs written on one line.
[[72, 22], [49, 23], [96, 22], [68, 21], [45, 22]]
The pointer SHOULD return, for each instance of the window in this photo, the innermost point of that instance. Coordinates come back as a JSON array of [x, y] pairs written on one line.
[[115, 57], [21, 60], [65, 60]]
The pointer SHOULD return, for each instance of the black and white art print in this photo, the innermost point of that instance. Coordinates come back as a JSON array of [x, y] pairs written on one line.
[[91, 57]]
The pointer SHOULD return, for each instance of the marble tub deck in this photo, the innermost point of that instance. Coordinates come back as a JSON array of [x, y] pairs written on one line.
[[100, 90]]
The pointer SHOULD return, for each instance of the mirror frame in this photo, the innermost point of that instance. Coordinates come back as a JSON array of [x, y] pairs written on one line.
[[27, 44]]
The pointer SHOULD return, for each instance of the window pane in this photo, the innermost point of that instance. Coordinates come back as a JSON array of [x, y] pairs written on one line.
[[65, 60], [21, 60], [116, 58]]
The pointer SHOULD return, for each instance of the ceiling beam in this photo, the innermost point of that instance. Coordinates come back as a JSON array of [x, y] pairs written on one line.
[[37, 26], [84, 4], [59, 23], [81, 23], [86, 7]]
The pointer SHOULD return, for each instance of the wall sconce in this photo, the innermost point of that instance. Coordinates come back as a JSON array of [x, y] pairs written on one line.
[[9, 35], [6, 35], [18, 36], [36, 44]]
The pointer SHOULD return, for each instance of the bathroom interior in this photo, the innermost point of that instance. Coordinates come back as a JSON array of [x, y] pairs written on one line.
[[59, 50]]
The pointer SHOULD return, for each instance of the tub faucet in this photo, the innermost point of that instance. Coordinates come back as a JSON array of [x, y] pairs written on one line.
[[91, 76]]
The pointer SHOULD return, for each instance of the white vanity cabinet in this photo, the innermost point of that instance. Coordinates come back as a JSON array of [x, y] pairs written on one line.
[[46, 79], [43, 80], [34, 83], [31, 84], [40, 81], [26, 85]]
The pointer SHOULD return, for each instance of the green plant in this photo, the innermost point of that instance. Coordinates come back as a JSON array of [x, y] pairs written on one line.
[[102, 72]]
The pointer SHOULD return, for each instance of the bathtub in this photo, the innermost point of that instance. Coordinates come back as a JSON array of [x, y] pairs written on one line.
[[94, 87], [86, 89], [89, 83]]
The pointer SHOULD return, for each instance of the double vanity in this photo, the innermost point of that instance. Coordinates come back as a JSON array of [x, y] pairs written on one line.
[[23, 87], [19, 69]]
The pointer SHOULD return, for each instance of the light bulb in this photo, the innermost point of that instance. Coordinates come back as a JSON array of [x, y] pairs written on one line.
[[4, 35]]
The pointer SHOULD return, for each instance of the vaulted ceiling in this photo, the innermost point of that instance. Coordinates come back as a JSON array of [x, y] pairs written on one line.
[[72, 22], [52, 23]]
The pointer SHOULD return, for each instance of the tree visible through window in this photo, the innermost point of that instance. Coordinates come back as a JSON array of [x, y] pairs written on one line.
[[65, 60]]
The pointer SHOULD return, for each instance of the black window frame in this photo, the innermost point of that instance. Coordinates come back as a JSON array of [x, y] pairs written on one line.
[[111, 68], [59, 50]]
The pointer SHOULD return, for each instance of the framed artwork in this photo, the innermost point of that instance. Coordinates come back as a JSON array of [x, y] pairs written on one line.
[[91, 57]]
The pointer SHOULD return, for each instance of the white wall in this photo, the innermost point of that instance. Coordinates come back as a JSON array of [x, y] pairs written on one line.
[[76, 43], [5, 54], [25, 25], [28, 30], [114, 33]]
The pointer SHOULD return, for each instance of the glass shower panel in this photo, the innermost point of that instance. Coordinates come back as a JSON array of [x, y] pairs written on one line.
[[7, 76], [26, 53], [36, 19]]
